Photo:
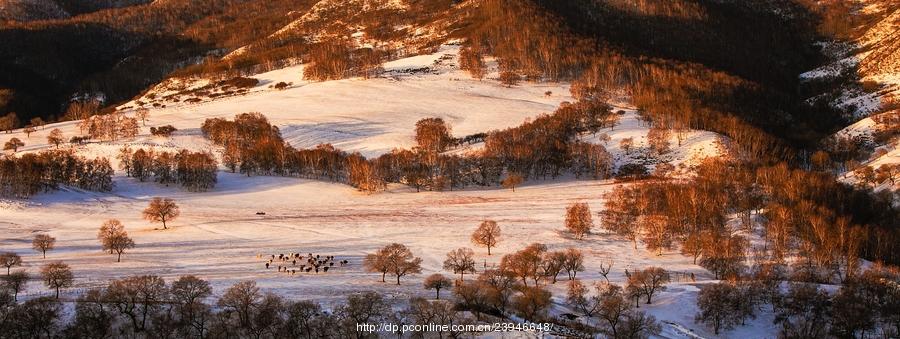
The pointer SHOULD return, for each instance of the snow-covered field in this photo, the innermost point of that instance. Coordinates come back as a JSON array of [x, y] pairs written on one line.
[[220, 236]]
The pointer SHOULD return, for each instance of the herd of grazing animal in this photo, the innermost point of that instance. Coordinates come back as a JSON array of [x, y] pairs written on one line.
[[293, 263]]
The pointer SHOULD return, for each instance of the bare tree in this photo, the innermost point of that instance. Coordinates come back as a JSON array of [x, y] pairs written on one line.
[[15, 282], [460, 260], [43, 243], [28, 130], [55, 137], [13, 144], [240, 299], [648, 281], [578, 219], [189, 292], [658, 138], [114, 238], [573, 262], [618, 319], [433, 135], [437, 282], [606, 266], [552, 264], [139, 298], [376, 262], [363, 308], [532, 302], [142, 114], [526, 263], [57, 275], [487, 235], [626, 145], [162, 210], [37, 122], [401, 261], [10, 259], [110, 228], [577, 296], [509, 78], [717, 307], [119, 243], [512, 181]]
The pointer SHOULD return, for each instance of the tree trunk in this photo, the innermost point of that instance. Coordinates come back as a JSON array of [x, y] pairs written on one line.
[[383, 274], [45, 254], [119, 259], [398, 279], [437, 293], [57, 292]]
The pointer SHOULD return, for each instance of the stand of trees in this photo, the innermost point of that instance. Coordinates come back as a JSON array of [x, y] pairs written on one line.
[[29, 174], [545, 147], [111, 127], [865, 305], [826, 226], [194, 171], [335, 59]]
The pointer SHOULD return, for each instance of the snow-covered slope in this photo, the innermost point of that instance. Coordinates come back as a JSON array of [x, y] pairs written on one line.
[[220, 236], [874, 57], [873, 60], [371, 116]]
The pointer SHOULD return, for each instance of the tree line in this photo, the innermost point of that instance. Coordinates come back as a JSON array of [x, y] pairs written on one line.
[[825, 226], [194, 171], [545, 147], [32, 173]]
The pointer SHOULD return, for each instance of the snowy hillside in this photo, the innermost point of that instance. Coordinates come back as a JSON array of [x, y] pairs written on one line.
[[874, 56], [221, 234], [371, 116]]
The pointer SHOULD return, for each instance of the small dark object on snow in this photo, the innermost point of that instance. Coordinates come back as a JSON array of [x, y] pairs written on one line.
[[260, 213]]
